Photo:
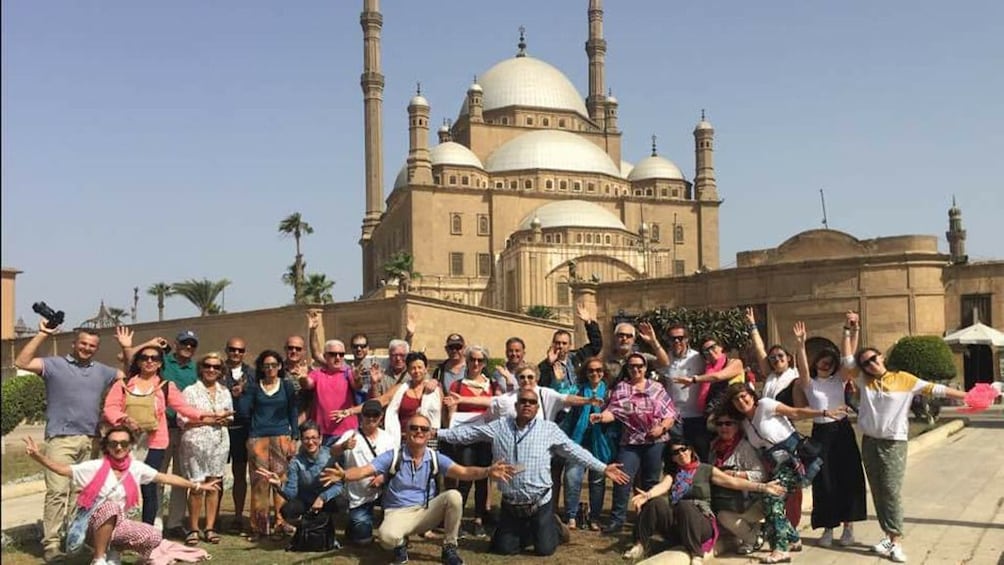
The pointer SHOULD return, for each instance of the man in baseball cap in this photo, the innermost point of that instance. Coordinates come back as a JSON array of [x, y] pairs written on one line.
[[455, 367]]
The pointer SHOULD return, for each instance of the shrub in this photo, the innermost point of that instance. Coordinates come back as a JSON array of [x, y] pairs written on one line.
[[926, 356], [542, 312], [23, 397], [729, 326]]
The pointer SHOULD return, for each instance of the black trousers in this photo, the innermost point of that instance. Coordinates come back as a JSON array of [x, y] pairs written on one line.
[[474, 455], [682, 523], [515, 533]]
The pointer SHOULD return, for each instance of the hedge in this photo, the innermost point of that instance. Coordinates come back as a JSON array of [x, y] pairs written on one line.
[[926, 356], [728, 326], [23, 398]]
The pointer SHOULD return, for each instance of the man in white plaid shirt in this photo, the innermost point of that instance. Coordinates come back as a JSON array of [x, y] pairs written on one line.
[[527, 443]]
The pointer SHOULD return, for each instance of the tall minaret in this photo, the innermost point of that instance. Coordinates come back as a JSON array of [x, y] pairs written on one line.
[[596, 49], [372, 82], [956, 235], [419, 165], [705, 187]]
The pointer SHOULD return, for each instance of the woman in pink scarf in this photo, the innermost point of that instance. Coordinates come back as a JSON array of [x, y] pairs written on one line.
[[112, 483]]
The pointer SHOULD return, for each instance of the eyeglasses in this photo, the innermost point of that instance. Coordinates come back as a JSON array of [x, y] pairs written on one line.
[[154, 358], [777, 357], [678, 338], [636, 366], [623, 335], [530, 401], [526, 377], [212, 366], [236, 349], [120, 444], [311, 438], [270, 366], [422, 429], [190, 344], [360, 345], [334, 354], [709, 348], [477, 360], [870, 360], [293, 348], [678, 450], [725, 423]]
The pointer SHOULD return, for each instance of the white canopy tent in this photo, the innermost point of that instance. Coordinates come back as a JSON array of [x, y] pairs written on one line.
[[976, 334]]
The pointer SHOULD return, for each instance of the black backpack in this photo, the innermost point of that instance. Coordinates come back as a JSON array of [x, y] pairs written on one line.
[[316, 533]]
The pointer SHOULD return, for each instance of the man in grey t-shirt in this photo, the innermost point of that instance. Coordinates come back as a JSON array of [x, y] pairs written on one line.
[[75, 385]]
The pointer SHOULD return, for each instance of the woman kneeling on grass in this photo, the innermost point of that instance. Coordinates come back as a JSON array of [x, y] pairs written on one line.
[[112, 483]]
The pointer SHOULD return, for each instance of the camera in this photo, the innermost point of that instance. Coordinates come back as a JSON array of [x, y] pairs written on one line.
[[53, 318]]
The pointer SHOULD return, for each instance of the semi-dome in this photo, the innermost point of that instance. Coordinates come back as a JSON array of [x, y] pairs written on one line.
[[572, 213], [655, 167], [551, 149], [525, 81], [446, 153]]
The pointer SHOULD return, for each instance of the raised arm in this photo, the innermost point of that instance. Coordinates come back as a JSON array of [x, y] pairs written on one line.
[[409, 328], [758, 346], [26, 360], [736, 483], [643, 496], [465, 435], [804, 413], [336, 474], [31, 450], [852, 325], [499, 470], [733, 368], [801, 359], [593, 333], [647, 334], [315, 331]]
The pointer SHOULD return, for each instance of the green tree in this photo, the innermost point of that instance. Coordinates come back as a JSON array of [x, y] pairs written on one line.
[[161, 290], [293, 225], [541, 311], [202, 294], [927, 356], [728, 326], [401, 266], [23, 398], [116, 315], [317, 289]]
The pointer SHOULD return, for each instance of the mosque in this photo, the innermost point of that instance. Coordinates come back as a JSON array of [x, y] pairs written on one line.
[[527, 189]]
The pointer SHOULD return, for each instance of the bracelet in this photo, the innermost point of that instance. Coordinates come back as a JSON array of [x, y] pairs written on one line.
[[850, 329], [824, 413], [693, 380], [752, 328]]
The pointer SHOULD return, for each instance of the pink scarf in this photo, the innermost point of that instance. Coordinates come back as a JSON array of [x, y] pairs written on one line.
[[718, 365], [89, 495]]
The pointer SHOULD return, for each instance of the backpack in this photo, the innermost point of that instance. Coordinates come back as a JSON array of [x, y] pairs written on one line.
[[142, 408], [315, 533], [395, 466]]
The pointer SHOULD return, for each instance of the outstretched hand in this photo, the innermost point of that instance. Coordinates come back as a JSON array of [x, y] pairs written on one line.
[[270, 477], [750, 316], [211, 485], [124, 336], [30, 448], [646, 332], [615, 473], [774, 488], [639, 499], [799, 330], [451, 400], [501, 471], [332, 475], [584, 312]]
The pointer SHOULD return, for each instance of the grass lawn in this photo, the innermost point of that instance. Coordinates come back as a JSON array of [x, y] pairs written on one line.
[[17, 465]]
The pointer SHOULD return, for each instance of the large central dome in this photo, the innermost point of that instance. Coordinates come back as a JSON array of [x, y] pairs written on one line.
[[525, 81], [551, 149]]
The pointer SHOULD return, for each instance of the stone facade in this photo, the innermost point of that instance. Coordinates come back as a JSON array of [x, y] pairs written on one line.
[[7, 304]]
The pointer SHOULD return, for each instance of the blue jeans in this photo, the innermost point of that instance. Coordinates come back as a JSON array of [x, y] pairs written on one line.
[[573, 489], [151, 505], [645, 459], [360, 528]]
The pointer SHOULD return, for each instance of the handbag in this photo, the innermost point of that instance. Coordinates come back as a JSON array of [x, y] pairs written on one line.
[[315, 533]]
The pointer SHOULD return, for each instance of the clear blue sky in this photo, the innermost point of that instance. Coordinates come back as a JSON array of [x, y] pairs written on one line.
[[161, 141]]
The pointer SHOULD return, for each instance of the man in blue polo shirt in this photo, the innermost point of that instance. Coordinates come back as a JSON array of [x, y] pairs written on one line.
[[75, 385], [410, 502]]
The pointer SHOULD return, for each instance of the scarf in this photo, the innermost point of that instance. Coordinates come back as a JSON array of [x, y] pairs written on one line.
[[592, 437], [89, 495], [702, 396], [683, 481], [482, 386], [724, 449]]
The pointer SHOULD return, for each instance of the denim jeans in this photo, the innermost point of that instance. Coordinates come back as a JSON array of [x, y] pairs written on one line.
[[151, 505], [646, 459], [516, 533], [360, 528], [573, 488]]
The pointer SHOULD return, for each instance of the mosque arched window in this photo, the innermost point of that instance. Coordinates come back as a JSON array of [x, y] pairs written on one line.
[[577, 186], [561, 122], [549, 184], [465, 180], [528, 184], [546, 122], [453, 179], [563, 185], [607, 239]]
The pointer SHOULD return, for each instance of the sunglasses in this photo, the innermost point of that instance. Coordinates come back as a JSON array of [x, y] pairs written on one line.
[[777, 357], [270, 365], [678, 338], [870, 360], [725, 423], [531, 401], [526, 377], [154, 358], [360, 345], [455, 347], [635, 366], [678, 450], [624, 335], [236, 349], [190, 344], [423, 429], [293, 348], [120, 444], [212, 366], [334, 354], [477, 360], [594, 370], [710, 348]]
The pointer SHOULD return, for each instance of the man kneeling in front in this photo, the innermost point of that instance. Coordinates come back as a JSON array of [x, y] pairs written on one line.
[[409, 501]]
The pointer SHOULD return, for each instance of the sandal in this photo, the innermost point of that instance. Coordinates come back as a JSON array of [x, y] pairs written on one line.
[[776, 557], [211, 536], [192, 538]]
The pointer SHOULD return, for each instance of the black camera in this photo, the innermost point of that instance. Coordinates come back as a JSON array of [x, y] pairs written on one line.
[[53, 318]]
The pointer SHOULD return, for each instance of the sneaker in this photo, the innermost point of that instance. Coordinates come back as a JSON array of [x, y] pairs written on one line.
[[696, 560], [897, 554], [637, 551], [571, 524], [113, 557], [883, 547], [745, 549], [450, 555], [612, 528], [400, 555], [826, 540], [847, 537], [99, 561], [53, 555], [478, 530]]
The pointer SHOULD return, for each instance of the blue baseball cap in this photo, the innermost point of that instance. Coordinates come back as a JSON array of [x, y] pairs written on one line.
[[187, 335]]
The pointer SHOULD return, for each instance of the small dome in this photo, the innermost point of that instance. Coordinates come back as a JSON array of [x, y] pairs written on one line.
[[529, 82], [453, 153], [703, 124], [626, 169], [572, 213], [444, 129], [418, 100], [611, 100], [475, 88], [535, 223], [655, 167], [551, 149]]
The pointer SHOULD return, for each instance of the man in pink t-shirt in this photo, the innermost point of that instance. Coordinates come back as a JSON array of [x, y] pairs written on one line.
[[333, 386]]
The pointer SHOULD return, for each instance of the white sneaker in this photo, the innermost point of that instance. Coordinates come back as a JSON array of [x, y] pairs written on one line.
[[847, 537], [100, 561], [637, 551], [696, 560], [883, 547], [113, 557], [826, 540], [897, 554]]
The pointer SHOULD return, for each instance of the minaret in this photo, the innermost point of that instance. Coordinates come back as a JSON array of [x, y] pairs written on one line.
[[705, 187], [611, 119], [372, 82], [419, 164], [956, 236], [596, 49], [475, 102], [444, 131]]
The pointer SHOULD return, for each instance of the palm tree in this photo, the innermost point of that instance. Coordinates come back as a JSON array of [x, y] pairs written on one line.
[[317, 289], [401, 266], [116, 315], [202, 294], [161, 290], [289, 277], [293, 225]]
